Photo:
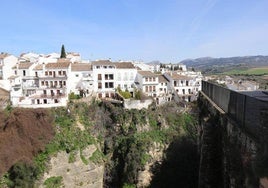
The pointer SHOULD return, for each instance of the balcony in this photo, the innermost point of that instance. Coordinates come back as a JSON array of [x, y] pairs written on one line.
[[51, 96]]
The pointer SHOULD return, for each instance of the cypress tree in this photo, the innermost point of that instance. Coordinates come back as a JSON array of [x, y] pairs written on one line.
[[62, 54]]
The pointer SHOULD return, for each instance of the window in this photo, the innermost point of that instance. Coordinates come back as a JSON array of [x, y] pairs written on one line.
[[59, 72], [64, 83], [64, 73], [99, 85], [24, 73], [153, 88], [183, 91], [99, 76], [146, 79], [46, 73], [109, 84], [154, 79], [77, 75], [46, 82], [146, 88], [109, 76], [42, 83], [187, 83], [50, 73]]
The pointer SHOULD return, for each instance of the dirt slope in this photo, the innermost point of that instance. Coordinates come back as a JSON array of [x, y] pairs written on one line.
[[23, 133]]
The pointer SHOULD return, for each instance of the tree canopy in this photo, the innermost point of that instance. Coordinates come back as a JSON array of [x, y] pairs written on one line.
[[63, 53]]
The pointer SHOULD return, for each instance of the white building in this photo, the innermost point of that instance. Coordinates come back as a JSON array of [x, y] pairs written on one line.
[[108, 76], [42, 85], [185, 86], [164, 92], [147, 82], [81, 77], [7, 61]]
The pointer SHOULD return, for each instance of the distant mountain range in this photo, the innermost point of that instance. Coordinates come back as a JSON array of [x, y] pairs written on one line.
[[217, 65]]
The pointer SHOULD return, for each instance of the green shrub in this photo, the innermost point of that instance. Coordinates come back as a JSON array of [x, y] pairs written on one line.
[[53, 182], [22, 175], [97, 157], [74, 96]]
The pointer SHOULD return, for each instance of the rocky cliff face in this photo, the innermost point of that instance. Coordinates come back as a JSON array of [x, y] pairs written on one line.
[[76, 173]]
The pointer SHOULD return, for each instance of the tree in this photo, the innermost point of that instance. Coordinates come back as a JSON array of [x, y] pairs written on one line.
[[62, 54]]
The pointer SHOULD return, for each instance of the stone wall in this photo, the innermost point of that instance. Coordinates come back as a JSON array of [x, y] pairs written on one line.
[[227, 151], [137, 104]]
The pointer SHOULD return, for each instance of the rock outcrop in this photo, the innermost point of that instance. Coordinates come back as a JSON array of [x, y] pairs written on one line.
[[77, 173]]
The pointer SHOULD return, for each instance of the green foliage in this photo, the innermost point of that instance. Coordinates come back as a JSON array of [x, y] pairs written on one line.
[[129, 185], [74, 96], [97, 157], [138, 94], [8, 109], [22, 175], [249, 71], [62, 53], [5, 181], [68, 138], [71, 157], [53, 182], [85, 161]]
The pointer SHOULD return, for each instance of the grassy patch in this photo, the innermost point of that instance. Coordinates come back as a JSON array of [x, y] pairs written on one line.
[[251, 71], [97, 157], [53, 182]]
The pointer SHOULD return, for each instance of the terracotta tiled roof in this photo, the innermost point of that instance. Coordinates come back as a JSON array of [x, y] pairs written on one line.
[[63, 60], [175, 76], [147, 73], [3, 55], [63, 65], [13, 77], [162, 79], [24, 65], [102, 62], [124, 65], [3, 92], [81, 67], [38, 67]]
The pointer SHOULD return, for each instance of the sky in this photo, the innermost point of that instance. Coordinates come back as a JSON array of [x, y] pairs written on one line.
[[141, 30]]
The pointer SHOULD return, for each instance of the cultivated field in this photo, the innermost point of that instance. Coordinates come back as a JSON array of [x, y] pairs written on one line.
[[250, 71]]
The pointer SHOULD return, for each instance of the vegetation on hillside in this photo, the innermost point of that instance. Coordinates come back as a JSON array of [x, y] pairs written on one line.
[[124, 137], [250, 71]]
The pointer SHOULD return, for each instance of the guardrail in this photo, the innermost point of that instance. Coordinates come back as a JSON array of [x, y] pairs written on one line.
[[250, 113]]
